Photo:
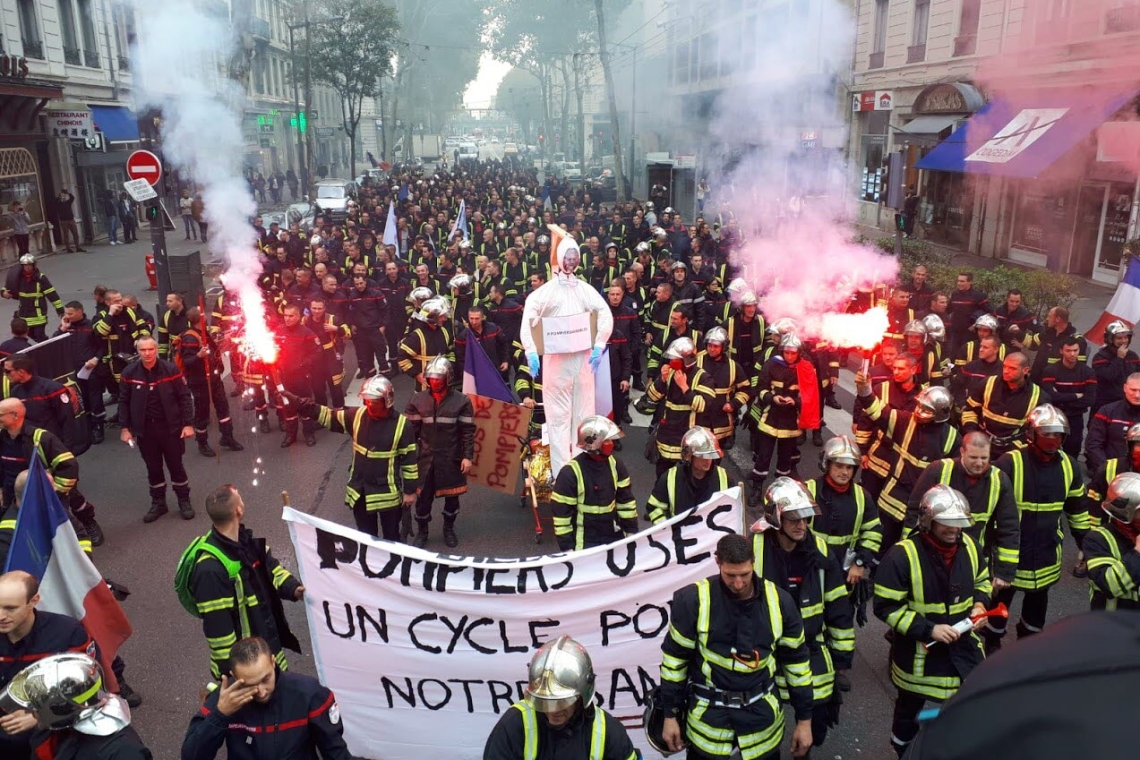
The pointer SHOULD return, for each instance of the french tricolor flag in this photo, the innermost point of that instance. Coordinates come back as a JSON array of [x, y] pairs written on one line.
[[45, 545], [1125, 303]]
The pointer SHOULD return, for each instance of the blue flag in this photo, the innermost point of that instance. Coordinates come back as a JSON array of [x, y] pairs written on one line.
[[480, 376], [546, 204], [460, 221], [403, 194]]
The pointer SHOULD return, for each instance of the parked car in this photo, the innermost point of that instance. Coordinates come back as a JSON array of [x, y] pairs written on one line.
[[572, 171], [333, 196], [510, 149], [468, 153]]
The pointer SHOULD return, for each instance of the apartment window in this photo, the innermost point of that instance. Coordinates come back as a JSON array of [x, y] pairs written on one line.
[[681, 63], [709, 66], [966, 42], [71, 51], [917, 50], [87, 28], [879, 33], [123, 21], [30, 29], [1052, 20], [1125, 17]]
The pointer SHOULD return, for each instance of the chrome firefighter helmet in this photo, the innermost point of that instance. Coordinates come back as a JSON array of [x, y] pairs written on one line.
[[840, 450], [748, 298], [716, 335], [60, 690], [462, 284], [1133, 435], [560, 673], [435, 310], [915, 327], [649, 205], [680, 265], [1115, 328], [683, 349], [28, 258], [933, 404], [659, 233], [440, 366], [737, 285], [785, 498], [653, 719], [420, 294], [542, 240], [642, 248], [379, 388], [668, 210], [463, 244], [942, 504], [596, 430], [699, 442], [791, 342], [986, 322], [783, 326], [1046, 418], [935, 327], [1123, 498]]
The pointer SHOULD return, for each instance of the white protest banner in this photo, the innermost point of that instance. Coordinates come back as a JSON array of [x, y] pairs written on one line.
[[425, 651], [566, 335]]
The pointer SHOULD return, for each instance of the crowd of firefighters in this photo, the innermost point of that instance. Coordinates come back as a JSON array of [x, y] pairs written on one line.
[[942, 501]]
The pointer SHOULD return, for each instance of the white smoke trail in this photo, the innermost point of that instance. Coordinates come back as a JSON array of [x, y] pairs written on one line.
[[179, 64]]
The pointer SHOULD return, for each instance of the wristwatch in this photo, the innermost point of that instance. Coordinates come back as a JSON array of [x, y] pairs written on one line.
[[859, 561]]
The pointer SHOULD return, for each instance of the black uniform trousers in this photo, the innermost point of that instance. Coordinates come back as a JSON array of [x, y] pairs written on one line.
[[38, 333], [159, 445], [325, 388], [763, 446], [427, 496], [1076, 437], [1034, 608], [91, 391], [371, 348], [204, 394], [904, 724], [287, 410], [383, 523], [393, 334]]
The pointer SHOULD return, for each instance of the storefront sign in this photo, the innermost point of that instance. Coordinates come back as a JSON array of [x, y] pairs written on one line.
[[1014, 138], [12, 67], [686, 161], [942, 98], [71, 124], [880, 100], [324, 132], [425, 652], [809, 139], [498, 427]]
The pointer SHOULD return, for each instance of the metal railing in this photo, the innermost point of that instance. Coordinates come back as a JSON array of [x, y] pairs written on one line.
[[124, 63], [34, 49], [91, 58], [72, 55]]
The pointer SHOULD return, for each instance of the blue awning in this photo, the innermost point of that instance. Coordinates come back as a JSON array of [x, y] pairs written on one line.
[[1022, 139], [117, 123]]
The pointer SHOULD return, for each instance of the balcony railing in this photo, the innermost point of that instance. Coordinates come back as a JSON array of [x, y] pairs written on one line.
[[72, 55], [91, 58], [34, 49], [916, 54], [965, 45], [1123, 19], [124, 63]]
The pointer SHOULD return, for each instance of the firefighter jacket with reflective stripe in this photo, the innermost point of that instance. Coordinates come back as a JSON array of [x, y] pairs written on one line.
[[420, 346], [677, 491], [16, 455], [657, 316], [1043, 488], [777, 378], [915, 445], [968, 352], [330, 365], [897, 320], [119, 331], [971, 378], [681, 408], [172, 326], [997, 527], [1048, 343], [738, 645], [1108, 429], [301, 721], [731, 385], [32, 291], [1111, 374], [165, 380], [592, 502], [1114, 569], [246, 605], [1098, 486], [47, 404], [847, 520], [997, 409], [444, 431], [522, 733], [746, 343], [492, 339], [880, 456], [818, 586], [662, 341], [1073, 391], [193, 366], [51, 633], [384, 465], [915, 591]]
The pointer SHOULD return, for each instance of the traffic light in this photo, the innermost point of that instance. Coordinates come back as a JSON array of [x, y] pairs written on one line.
[[300, 120], [151, 213]]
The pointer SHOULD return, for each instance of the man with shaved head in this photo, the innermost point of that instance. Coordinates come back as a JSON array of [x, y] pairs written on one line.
[[20, 440]]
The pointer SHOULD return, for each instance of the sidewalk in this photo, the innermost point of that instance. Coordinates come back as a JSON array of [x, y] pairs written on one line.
[[1092, 297]]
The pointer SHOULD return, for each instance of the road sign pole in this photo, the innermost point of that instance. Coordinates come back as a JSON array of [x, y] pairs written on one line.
[[158, 248]]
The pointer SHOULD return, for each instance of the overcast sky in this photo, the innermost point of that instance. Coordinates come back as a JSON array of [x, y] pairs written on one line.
[[481, 91]]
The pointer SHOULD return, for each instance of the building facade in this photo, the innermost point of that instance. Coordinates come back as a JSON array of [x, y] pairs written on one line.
[[1011, 119]]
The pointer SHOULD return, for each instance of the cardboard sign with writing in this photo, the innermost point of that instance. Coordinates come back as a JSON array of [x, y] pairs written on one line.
[[537, 332], [498, 426]]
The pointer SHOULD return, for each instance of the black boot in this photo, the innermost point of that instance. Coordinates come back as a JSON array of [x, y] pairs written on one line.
[[755, 494], [229, 442], [204, 447], [94, 532], [132, 697], [158, 508], [817, 438], [449, 537], [236, 391], [420, 541], [98, 434], [288, 440], [831, 401], [185, 508], [263, 422]]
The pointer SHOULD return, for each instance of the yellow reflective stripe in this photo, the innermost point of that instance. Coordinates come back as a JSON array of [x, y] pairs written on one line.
[[530, 730], [214, 605], [598, 740]]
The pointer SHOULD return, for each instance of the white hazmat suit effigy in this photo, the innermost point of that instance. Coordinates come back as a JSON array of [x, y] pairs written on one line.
[[567, 378]]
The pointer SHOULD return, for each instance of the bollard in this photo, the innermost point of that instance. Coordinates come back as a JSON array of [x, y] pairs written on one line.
[[151, 272]]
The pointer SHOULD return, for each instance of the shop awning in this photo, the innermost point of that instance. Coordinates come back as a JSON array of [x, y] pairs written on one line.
[[117, 123], [930, 124], [1022, 139]]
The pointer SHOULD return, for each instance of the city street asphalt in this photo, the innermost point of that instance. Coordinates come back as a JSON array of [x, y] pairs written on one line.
[[167, 656]]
